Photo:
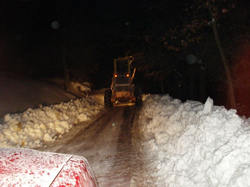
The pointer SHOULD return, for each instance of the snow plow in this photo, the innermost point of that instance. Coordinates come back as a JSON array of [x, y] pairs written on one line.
[[26, 167], [122, 90]]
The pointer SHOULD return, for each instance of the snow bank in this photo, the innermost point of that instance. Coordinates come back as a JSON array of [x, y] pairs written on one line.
[[79, 89], [33, 127], [195, 144], [17, 95]]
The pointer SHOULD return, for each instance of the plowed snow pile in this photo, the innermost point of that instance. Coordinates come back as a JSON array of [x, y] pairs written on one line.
[[33, 127], [191, 144]]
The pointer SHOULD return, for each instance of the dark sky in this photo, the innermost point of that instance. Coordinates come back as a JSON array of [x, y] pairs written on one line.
[[30, 20], [27, 35], [89, 34]]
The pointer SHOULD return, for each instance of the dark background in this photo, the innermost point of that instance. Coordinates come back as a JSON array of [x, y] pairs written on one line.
[[91, 34]]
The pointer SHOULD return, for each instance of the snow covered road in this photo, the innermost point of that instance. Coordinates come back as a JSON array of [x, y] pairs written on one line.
[[164, 143], [106, 143]]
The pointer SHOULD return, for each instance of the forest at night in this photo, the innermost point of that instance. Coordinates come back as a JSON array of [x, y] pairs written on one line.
[[191, 49]]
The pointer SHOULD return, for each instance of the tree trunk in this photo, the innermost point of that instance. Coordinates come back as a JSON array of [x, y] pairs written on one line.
[[231, 96], [191, 85], [202, 82], [162, 87], [66, 71]]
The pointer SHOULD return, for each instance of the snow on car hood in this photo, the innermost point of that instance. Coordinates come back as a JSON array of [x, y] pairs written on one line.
[[26, 167], [29, 167]]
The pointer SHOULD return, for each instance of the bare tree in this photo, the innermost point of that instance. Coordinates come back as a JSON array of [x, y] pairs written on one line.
[[214, 25]]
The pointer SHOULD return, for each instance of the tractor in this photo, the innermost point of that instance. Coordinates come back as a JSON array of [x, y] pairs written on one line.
[[122, 90]]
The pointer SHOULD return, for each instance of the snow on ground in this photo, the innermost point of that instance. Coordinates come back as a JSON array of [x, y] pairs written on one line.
[[191, 144], [34, 126], [19, 94], [185, 144]]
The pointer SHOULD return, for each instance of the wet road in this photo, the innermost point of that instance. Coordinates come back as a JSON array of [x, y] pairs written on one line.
[[106, 142]]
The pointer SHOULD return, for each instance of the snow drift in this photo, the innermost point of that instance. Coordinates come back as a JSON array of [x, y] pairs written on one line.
[[191, 144]]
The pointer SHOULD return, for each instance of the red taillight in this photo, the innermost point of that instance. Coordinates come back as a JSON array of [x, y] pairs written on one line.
[[115, 75], [127, 75]]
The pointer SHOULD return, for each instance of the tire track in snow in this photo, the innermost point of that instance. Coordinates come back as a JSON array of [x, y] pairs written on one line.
[[106, 143]]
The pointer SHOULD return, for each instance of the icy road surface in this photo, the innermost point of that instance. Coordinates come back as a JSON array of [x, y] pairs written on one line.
[[106, 142]]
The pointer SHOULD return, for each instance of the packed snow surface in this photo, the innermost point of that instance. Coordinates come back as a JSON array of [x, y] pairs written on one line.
[[195, 144]]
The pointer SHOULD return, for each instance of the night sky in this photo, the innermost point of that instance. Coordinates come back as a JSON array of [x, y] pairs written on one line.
[[91, 34]]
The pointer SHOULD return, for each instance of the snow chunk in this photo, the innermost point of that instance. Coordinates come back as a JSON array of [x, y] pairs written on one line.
[[208, 106]]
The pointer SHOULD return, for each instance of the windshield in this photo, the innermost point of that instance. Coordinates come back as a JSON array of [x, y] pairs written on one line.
[[122, 66]]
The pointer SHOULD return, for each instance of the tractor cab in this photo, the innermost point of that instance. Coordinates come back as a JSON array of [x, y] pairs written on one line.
[[122, 89]]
